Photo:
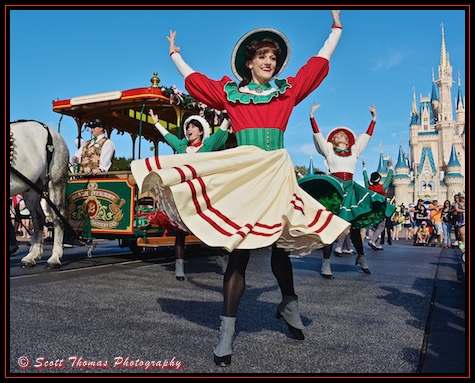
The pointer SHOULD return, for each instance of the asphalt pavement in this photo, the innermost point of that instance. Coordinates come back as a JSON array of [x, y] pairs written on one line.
[[129, 316]]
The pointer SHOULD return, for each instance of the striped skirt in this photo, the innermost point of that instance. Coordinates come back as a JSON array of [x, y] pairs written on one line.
[[239, 198]]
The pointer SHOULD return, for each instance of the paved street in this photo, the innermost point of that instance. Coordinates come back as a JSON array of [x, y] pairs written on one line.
[[126, 315]]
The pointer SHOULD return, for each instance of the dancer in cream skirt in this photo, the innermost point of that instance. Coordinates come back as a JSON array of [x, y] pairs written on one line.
[[240, 198], [248, 197]]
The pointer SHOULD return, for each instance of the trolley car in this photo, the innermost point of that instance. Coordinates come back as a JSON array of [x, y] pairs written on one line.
[[109, 205]]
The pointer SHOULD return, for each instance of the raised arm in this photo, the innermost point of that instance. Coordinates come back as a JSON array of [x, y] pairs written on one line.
[[330, 44], [320, 143], [372, 110], [389, 177], [312, 119], [157, 124], [224, 125], [171, 40], [184, 69], [336, 18]]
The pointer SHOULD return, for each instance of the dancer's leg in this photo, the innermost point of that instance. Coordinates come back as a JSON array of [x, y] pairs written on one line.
[[179, 256], [234, 285], [235, 281], [288, 308]]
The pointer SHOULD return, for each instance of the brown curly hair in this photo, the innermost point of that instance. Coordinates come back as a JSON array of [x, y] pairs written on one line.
[[255, 48]]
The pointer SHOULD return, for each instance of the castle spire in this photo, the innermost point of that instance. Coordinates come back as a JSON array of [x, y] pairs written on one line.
[[453, 161], [414, 105], [311, 169], [460, 103], [401, 159], [381, 167], [444, 57]]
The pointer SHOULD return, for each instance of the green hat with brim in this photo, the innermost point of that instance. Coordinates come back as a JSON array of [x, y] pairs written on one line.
[[238, 57]]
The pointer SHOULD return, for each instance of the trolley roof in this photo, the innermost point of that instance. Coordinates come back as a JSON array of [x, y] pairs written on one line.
[[123, 111]]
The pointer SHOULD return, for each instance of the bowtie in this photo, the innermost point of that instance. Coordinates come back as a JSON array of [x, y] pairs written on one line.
[[338, 150]]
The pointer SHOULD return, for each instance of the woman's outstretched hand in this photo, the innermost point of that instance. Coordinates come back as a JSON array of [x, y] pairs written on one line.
[[153, 115], [171, 40], [314, 108], [372, 110], [336, 17]]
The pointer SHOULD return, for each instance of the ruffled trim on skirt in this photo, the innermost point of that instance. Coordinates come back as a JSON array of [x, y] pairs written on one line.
[[349, 200], [240, 198]]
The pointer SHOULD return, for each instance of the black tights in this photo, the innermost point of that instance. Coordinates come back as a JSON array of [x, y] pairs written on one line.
[[235, 277], [180, 245], [355, 235]]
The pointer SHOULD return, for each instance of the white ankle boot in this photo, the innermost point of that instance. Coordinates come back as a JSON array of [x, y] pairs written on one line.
[[289, 310], [326, 270], [223, 350], [180, 269], [361, 260]]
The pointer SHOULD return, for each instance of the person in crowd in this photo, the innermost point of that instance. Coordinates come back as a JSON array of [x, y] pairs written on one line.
[[388, 230], [420, 215], [14, 215], [196, 139], [15, 203], [248, 197], [402, 209], [396, 221], [456, 218], [95, 155], [407, 225], [25, 217], [48, 226], [435, 212], [375, 183], [423, 233], [447, 223], [337, 191], [459, 209]]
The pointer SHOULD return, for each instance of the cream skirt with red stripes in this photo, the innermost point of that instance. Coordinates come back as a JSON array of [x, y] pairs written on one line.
[[239, 198]]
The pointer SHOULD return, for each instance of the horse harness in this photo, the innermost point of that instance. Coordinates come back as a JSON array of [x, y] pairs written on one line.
[[49, 156], [44, 193]]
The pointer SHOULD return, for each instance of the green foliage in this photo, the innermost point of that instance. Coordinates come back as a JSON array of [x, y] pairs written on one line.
[[302, 169], [120, 163]]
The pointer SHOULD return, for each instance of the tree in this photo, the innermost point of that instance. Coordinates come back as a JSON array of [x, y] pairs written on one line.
[[120, 163]]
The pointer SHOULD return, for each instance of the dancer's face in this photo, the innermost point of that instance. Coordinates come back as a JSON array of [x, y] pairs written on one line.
[[263, 66]]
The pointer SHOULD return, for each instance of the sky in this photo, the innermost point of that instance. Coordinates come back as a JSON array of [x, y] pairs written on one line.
[[383, 57]]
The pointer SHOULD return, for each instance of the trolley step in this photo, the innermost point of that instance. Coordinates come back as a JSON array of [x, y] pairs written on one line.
[[165, 241]]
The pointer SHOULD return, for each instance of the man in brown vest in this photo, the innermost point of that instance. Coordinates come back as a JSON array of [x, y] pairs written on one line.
[[96, 154]]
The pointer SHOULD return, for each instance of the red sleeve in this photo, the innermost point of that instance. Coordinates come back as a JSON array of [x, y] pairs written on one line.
[[314, 125], [309, 77], [370, 130], [210, 92]]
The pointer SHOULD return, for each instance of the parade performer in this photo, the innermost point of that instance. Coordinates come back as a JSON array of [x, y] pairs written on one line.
[[248, 197], [338, 192], [196, 139]]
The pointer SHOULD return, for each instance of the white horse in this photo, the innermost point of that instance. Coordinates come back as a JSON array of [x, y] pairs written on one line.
[[41, 156]]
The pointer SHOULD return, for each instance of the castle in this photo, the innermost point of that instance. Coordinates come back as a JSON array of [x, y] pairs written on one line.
[[435, 167]]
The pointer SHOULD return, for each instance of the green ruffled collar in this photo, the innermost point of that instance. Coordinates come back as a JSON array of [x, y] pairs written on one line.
[[234, 95]]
